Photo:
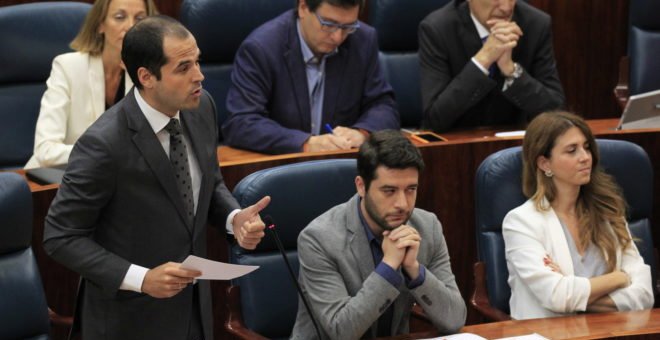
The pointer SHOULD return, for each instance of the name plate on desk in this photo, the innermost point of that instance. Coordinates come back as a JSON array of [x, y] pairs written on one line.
[[44, 176]]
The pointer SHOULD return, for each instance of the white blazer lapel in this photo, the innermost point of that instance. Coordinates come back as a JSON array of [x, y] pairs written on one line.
[[97, 86]]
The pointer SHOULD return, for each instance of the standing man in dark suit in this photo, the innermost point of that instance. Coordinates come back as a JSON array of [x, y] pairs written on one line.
[[141, 185], [307, 68], [486, 62]]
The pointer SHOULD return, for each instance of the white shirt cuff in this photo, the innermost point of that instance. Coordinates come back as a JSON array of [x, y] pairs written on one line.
[[507, 83], [134, 278], [483, 69], [230, 219]]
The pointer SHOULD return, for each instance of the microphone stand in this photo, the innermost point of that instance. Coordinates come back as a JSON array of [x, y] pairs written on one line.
[[271, 227]]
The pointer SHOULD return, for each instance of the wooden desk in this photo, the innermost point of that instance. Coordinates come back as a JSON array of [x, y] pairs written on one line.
[[621, 325], [640, 324], [446, 188]]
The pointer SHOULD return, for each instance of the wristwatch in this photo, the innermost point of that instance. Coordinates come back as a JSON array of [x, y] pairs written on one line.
[[517, 72]]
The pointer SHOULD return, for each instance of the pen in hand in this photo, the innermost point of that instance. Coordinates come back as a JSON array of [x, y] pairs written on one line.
[[328, 128]]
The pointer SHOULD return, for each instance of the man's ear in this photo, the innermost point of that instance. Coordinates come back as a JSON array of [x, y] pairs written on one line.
[[302, 8], [146, 78], [359, 185]]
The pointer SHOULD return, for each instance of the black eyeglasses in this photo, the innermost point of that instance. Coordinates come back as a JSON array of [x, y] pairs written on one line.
[[332, 27]]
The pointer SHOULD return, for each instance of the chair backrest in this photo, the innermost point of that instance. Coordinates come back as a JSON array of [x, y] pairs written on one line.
[[499, 190], [644, 46], [23, 308], [220, 26], [32, 35], [396, 22], [300, 192]]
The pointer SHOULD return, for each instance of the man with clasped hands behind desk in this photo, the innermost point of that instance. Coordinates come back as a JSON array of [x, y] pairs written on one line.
[[486, 62], [141, 184], [365, 262]]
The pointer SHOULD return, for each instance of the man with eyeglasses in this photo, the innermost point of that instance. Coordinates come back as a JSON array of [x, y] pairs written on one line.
[[309, 80]]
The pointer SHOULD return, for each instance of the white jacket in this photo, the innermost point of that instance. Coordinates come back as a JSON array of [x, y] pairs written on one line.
[[536, 291], [74, 99]]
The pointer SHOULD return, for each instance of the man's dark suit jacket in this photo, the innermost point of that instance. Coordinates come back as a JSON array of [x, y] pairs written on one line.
[[119, 205], [456, 93], [269, 101]]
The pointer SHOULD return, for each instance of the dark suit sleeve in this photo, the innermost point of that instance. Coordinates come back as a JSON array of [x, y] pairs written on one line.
[[539, 88], [249, 125], [378, 109], [86, 188], [445, 98]]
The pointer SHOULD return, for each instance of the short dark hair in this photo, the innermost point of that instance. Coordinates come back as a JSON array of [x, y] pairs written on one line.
[[390, 149], [314, 4], [143, 45]]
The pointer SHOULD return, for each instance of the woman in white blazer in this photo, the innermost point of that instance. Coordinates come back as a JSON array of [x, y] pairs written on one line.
[[83, 84], [568, 248]]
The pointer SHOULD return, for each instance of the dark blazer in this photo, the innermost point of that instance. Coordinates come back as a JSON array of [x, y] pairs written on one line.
[[119, 205], [268, 98], [456, 93]]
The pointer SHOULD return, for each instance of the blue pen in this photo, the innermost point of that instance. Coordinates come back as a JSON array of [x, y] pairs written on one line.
[[328, 128]]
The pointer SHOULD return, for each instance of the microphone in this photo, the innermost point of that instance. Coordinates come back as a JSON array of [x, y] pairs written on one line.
[[271, 227]]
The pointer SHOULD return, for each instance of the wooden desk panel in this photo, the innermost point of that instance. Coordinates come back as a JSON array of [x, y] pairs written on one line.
[[584, 326], [620, 325], [447, 189]]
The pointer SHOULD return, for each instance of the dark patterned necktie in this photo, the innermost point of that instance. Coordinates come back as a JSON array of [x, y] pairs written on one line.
[[179, 160]]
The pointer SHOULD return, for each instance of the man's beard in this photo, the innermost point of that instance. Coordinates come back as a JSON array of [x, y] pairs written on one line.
[[380, 221]]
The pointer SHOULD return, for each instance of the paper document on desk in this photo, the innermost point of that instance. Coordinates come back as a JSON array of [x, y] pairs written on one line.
[[214, 270], [533, 336], [458, 336], [517, 133]]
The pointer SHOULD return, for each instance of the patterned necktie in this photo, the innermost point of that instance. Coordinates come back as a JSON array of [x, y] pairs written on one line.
[[179, 160]]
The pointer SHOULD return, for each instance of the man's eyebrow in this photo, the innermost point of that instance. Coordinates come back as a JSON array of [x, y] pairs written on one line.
[[183, 63]]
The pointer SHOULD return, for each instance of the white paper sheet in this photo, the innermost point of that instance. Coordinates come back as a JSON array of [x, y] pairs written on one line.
[[459, 336], [533, 336], [516, 133], [214, 270]]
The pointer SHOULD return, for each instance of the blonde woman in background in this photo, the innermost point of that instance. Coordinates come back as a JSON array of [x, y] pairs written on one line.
[[83, 84], [568, 248]]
